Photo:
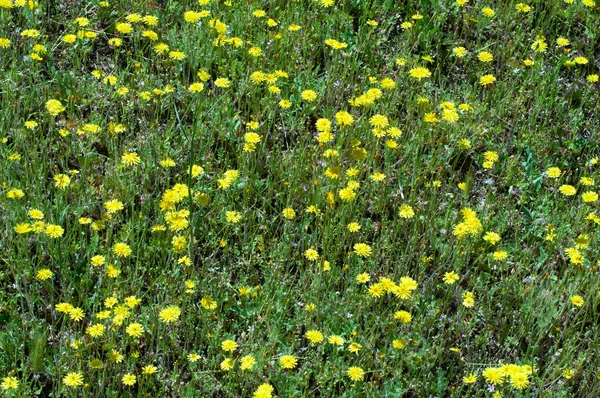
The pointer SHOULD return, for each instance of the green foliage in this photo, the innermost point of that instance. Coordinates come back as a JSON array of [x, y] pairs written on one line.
[[199, 169]]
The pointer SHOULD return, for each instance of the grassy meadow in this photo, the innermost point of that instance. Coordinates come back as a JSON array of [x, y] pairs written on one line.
[[299, 198]]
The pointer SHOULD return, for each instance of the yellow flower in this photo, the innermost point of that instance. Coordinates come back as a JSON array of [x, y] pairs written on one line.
[[567, 190], [311, 254], [336, 340], [63, 307], [15, 194], [247, 362], [524, 8], [387, 83], [500, 255], [431, 117], [568, 373], [23, 228], [494, 375], [451, 277], [420, 73], [54, 107], [35, 214], [519, 380], [288, 361], [353, 227], [553, 172], [35, 56], [460, 52], [539, 45], [265, 390], [222, 82], [61, 181], [354, 347], [406, 211], [355, 373], [196, 87], [344, 118], [177, 55], [488, 12], [468, 299], [73, 379], [169, 314], [197, 170], [308, 95], [403, 316], [129, 379], [376, 290], [124, 27], [193, 357], [229, 345], [485, 56], [31, 124], [167, 163], [43, 274], [575, 256], [130, 159], [470, 379], [76, 314], [487, 79], [252, 138], [379, 121], [398, 344], [96, 330], [314, 336], [30, 33], [289, 213], [161, 48], [54, 231], [9, 383], [115, 356], [81, 21], [112, 206], [363, 278], [110, 302], [97, 260], [149, 369], [233, 216], [72, 39], [589, 196], [577, 300], [227, 364], [191, 16], [362, 249], [208, 303], [122, 249], [491, 237], [336, 45], [255, 51], [135, 330]]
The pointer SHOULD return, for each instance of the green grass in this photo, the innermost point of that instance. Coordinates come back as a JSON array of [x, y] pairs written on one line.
[[253, 282]]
